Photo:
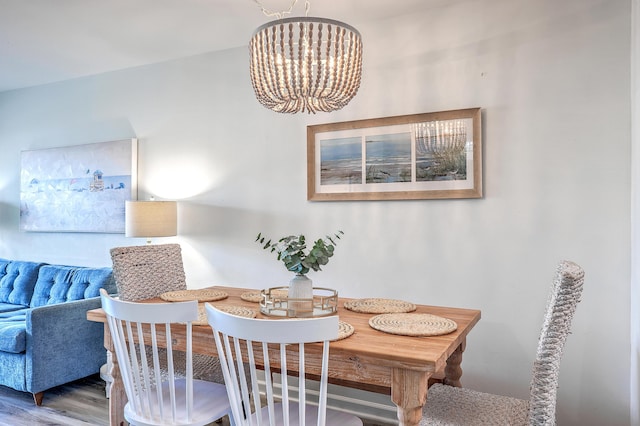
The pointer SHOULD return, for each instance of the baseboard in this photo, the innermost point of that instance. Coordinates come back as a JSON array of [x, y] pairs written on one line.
[[371, 406]]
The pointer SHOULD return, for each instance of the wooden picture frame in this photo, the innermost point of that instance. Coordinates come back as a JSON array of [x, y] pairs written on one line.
[[434, 155]]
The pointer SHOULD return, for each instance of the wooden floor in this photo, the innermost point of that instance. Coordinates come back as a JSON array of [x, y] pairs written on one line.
[[80, 403]]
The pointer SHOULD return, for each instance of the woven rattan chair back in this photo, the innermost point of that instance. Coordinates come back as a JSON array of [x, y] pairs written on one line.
[[271, 346], [143, 272], [155, 398], [564, 297]]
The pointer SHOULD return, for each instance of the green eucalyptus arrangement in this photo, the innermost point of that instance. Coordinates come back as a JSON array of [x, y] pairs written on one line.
[[292, 251]]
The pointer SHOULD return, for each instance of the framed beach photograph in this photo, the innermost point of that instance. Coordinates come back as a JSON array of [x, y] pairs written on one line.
[[81, 188], [433, 155]]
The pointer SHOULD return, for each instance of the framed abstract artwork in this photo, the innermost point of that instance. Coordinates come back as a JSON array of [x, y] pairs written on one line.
[[421, 156], [80, 188]]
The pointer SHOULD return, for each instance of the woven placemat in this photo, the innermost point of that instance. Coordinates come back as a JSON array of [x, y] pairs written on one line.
[[256, 296], [379, 306], [201, 295], [344, 330], [251, 296], [413, 324], [240, 311]]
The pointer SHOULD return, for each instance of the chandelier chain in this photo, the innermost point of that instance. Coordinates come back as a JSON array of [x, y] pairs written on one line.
[[280, 15]]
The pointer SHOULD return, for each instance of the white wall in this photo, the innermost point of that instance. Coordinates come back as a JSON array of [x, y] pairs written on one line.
[[553, 81], [635, 210]]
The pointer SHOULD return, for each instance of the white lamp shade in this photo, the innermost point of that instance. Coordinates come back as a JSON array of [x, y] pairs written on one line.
[[148, 219]]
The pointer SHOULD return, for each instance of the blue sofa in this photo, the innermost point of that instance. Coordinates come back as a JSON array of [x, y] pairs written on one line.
[[45, 337]]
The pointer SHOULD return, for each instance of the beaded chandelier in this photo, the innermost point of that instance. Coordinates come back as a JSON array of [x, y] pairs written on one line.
[[305, 64]]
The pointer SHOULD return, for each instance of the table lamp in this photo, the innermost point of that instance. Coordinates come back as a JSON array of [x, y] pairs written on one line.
[[149, 219]]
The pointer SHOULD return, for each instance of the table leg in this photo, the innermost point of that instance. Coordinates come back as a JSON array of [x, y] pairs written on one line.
[[409, 393], [453, 371], [117, 395]]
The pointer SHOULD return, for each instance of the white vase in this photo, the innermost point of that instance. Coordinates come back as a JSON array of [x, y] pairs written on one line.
[[300, 289]]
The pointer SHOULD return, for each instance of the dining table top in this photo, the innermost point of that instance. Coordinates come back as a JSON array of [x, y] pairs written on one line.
[[422, 353]]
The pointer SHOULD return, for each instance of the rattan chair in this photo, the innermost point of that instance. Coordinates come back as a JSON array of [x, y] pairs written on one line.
[[151, 398], [286, 340], [447, 405], [144, 272]]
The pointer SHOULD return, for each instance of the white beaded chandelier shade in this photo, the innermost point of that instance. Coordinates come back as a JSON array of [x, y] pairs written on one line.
[[305, 64]]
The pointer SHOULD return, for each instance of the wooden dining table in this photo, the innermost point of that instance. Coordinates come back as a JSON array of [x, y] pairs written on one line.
[[398, 365]]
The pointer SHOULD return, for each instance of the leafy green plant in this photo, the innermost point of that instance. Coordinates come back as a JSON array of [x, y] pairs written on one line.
[[292, 251]]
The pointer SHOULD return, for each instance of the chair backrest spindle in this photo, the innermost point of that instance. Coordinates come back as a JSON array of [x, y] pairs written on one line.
[[268, 381], [323, 385]]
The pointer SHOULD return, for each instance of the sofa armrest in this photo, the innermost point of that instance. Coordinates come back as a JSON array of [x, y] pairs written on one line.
[[62, 345]]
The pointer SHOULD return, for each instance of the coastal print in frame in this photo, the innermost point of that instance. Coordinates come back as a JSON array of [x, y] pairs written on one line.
[[80, 188], [421, 156]]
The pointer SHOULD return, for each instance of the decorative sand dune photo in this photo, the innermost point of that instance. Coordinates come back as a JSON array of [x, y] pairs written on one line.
[[441, 150], [341, 161], [388, 158]]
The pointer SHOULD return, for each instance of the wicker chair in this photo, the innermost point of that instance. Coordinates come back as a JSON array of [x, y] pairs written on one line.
[[450, 406], [144, 272]]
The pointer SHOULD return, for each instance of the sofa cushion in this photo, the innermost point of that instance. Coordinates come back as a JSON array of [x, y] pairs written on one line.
[[9, 307], [17, 281], [14, 315], [57, 284], [13, 332]]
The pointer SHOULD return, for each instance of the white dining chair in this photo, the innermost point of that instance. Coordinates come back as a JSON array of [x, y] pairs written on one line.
[[453, 406], [274, 345], [154, 399]]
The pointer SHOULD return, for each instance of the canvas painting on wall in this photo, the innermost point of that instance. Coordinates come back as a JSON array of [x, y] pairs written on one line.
[[80, 188]]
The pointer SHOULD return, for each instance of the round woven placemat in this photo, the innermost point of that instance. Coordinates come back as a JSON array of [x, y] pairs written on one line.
[[379, 306], [279, 292], [256, 296], [413, 324], [240, 311], [251, 296], [201, 295], [344, 330]]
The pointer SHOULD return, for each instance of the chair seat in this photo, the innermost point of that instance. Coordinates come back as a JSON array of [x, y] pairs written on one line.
[[206, 405], [450, 406], [334, 418]]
